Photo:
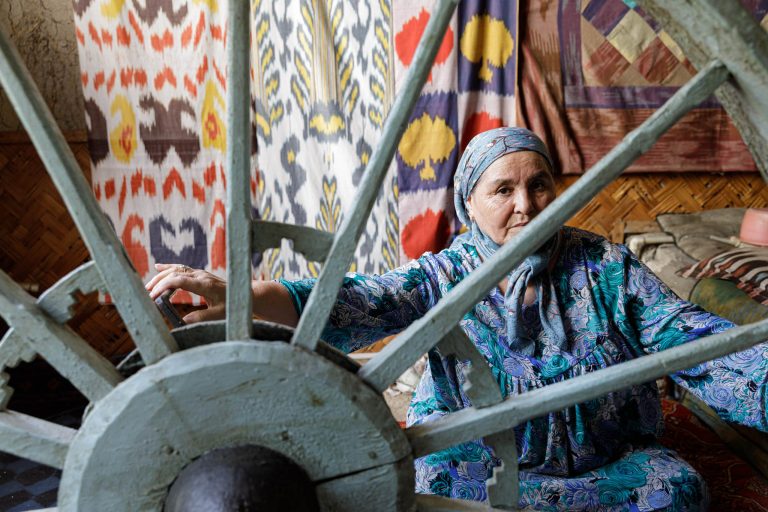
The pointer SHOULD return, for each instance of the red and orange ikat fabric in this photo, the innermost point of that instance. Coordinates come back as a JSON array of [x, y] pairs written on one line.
[[582, 73], [154, 86], [471, 89]]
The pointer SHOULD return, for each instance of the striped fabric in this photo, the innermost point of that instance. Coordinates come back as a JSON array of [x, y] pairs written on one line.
[[747, 267]]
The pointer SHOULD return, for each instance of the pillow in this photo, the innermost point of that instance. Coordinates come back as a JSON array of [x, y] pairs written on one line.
[[693, 231], [747, 267]]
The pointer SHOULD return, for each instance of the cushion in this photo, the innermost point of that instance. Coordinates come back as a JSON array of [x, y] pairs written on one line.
[[693, 231], [747, 267], [724, 299], [665, 260]]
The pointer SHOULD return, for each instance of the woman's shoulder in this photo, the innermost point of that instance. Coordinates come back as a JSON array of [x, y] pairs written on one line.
[[453, 262], [591, 245], [583, 236]]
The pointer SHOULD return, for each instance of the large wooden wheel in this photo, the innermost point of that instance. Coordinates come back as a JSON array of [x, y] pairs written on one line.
[[236, 383]]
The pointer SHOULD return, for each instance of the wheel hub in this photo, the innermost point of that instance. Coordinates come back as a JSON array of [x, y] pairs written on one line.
[[135, 443], [243, 478]]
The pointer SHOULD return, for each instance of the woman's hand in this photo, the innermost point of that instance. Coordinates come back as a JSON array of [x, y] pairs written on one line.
[[271, 300], [212, 288]]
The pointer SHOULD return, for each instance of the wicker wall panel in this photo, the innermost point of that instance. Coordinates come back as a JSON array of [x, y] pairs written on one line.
[[40, 243], [641, 197]]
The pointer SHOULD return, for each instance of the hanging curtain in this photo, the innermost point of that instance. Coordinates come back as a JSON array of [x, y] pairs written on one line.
[[593, 70], [324, 85], [471, 89]]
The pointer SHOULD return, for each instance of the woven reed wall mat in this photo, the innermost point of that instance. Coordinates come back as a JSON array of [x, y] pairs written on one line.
[[641, 197], [40, 243]]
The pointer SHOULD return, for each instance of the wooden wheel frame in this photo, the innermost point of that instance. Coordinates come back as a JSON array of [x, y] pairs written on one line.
[[236, 383]]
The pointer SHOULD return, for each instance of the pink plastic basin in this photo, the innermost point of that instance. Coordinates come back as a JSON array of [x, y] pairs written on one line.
[[754, 227]]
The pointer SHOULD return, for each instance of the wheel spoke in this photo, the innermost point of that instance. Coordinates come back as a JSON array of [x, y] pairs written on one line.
[[34, 439], [239, 294], [323, 296], [472, 423], [312, 243], [141, 317], [431, 503], [421, 336], [72, 357], [481, 387], [503, 487]]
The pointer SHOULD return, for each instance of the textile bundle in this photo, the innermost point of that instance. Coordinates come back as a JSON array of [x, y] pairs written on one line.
[[324, 75], [593, 70]]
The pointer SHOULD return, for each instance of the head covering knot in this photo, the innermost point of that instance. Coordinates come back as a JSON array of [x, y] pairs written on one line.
[[480, 153]]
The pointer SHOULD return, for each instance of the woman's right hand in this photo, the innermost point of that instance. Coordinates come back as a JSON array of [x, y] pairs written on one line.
[[212, 288]]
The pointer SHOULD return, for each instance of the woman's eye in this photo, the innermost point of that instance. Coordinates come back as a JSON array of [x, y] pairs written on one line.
[[504, 190]]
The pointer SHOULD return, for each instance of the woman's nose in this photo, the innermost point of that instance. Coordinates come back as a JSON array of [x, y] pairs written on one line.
[[523, 202]]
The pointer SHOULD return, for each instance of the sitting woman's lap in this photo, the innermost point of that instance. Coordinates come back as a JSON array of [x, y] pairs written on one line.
[[643, 479]]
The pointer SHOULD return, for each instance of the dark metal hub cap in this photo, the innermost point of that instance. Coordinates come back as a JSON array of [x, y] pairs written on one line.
[[242, 479]]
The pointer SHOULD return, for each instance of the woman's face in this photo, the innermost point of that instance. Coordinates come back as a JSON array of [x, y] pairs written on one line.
[[511, 192]]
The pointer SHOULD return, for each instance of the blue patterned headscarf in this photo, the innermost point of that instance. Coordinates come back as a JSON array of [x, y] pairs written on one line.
[[481, 152]]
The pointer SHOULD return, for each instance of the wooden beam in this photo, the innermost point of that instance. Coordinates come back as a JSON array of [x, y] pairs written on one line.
[[34, 439]]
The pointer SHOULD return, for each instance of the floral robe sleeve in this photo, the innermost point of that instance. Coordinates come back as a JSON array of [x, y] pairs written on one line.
[[371, 307], [656, 319]]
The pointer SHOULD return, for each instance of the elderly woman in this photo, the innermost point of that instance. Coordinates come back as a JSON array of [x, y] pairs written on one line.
[[579, 304]]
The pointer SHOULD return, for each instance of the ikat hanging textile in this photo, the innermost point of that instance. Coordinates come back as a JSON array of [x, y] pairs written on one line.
[[153, 76], [471, 89], [324, 84]]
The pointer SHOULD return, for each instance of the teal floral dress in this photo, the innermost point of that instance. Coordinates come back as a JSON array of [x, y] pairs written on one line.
[[601, 454]]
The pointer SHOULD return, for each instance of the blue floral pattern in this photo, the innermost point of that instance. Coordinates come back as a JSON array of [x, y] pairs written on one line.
[[598, 454]]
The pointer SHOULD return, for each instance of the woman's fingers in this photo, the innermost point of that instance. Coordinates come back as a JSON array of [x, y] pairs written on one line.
[[163, 270], [199, 282], [188, 282], [204, 315]]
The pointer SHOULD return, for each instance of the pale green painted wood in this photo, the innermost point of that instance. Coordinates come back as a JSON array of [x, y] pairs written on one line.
[[68, 353], [312, 243], [204, 333], [239, 294], [383, 489], [141, 316], [34, 439], [133, 443], [324, 293], [503, 487], [432, 503], [57, 302], [481, 386], [424, 333]]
